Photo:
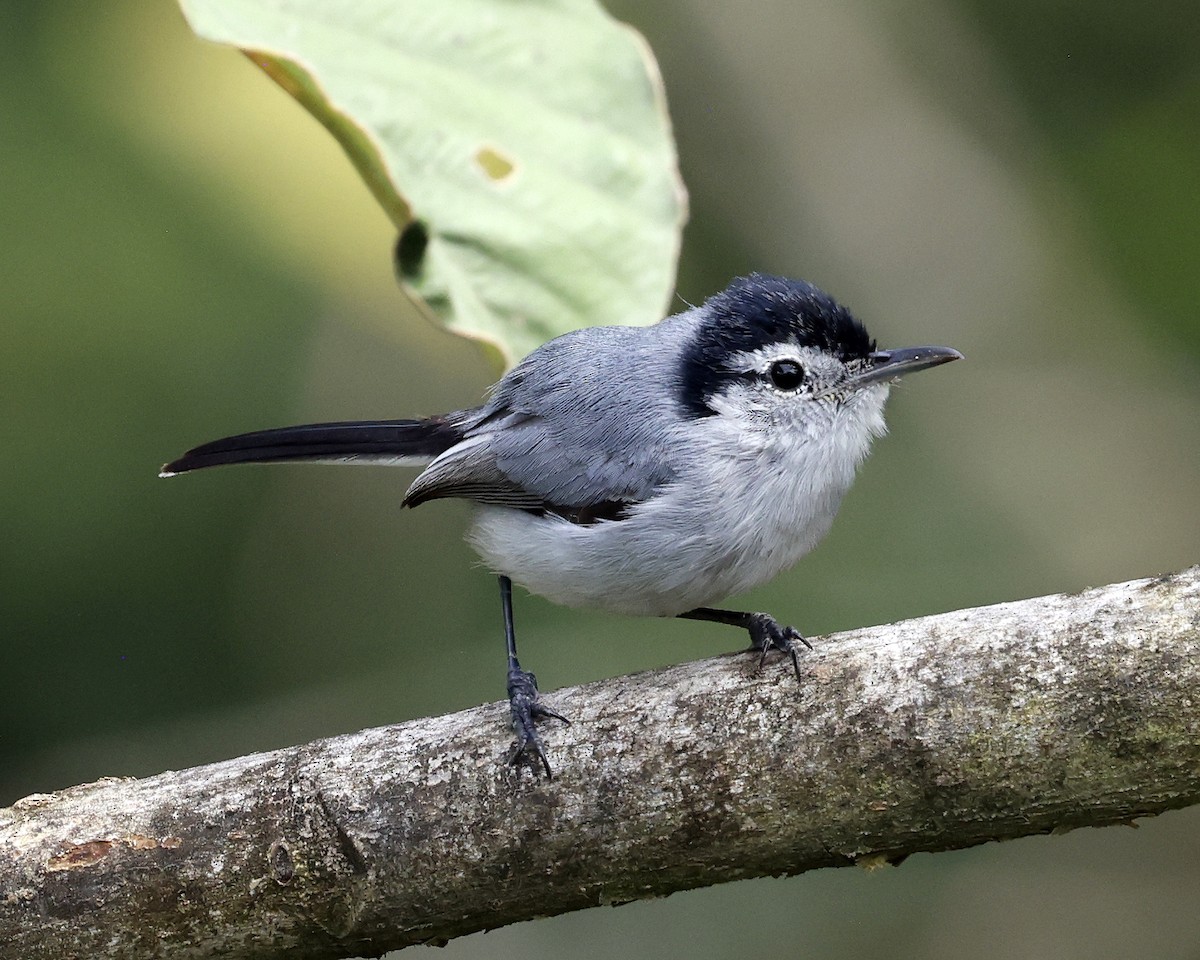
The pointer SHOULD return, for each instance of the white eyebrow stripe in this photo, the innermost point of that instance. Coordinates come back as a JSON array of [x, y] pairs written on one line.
[[763, 357]]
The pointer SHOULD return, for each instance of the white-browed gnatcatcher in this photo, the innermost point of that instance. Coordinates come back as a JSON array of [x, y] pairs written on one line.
[[643, 470]]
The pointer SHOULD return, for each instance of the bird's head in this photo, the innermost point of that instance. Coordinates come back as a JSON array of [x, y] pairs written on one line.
[[769, 352]]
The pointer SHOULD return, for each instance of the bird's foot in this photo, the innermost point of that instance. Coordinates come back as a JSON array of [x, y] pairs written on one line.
[[526, 710], [767, 634]]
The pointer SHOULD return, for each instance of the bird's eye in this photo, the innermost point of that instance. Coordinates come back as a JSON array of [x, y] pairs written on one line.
[[786, 374]]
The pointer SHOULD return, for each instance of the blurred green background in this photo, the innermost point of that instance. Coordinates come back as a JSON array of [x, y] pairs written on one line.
[[186, 254]]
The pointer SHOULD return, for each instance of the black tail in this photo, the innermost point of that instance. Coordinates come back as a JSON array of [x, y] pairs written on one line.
[[371, 441]]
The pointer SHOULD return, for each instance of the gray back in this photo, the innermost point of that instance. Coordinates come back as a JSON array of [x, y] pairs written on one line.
[[586, 418]]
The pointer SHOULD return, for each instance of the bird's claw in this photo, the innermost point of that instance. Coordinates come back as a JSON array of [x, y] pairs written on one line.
[[767, 634], [526, 711]]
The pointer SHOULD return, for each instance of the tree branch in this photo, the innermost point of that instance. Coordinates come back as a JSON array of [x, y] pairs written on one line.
[[933, 734]]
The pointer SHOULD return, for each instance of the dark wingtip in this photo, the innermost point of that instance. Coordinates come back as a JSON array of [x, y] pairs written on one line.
[[185, 464], [207, 455]]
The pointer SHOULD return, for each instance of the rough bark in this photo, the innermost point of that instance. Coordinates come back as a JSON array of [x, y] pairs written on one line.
[[932, 734]]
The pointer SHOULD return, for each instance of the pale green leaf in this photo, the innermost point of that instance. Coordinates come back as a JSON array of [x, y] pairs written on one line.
[[523, 146]]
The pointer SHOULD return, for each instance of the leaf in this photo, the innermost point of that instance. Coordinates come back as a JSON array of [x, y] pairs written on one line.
[[523, 149]]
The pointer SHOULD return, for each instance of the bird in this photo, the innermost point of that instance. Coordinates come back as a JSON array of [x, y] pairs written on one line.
[[643, 470]]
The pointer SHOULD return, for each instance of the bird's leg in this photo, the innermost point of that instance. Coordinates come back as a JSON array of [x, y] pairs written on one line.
[[766, 633], [523, 692]]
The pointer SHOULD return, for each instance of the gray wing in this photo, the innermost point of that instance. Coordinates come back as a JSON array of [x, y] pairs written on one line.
[[585, 421]]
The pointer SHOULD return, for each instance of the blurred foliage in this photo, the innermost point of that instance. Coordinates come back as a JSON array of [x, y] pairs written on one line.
[[187, 254], [1114, 91]]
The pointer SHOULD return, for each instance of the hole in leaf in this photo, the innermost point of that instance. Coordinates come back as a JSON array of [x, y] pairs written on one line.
[[410, 249], [495, 165]]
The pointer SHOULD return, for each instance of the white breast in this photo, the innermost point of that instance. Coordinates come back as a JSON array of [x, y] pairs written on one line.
[[749, 505]]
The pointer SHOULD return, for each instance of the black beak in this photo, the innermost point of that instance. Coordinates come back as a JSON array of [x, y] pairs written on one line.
[[891, 364]]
